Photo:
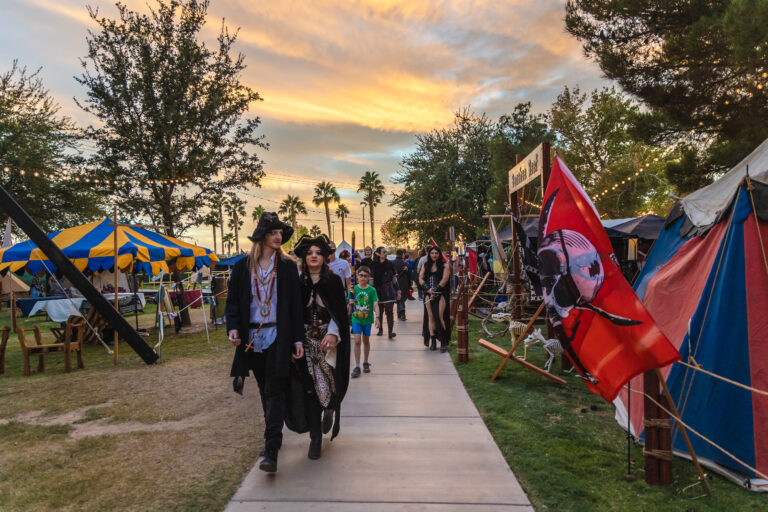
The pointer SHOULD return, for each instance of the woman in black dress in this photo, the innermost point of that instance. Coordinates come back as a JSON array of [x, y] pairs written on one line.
[[324, 369], [433, 279]]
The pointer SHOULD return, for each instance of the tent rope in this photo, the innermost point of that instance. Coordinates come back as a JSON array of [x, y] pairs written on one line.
[[702, 436], [724, 379]]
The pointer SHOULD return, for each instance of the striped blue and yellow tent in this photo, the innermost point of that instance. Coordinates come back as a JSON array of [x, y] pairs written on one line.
[[91, 248]]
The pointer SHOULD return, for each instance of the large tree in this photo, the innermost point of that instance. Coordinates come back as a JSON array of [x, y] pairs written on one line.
[[341, 212], [624, 175], [517, 134], [291, 207], [446, 179], [701, 65], [325, 192], [373, 190], [36, 146], [171, 111]]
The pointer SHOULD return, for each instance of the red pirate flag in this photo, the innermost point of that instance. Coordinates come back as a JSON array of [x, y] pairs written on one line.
[[603, 327]]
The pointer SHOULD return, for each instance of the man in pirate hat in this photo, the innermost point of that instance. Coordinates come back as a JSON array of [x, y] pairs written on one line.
[[265, 325]]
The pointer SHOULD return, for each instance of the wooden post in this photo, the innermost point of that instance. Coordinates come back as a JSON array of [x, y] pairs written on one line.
[[462, 329], [517, 310], [13, 308], [117, 301], [652, 462]]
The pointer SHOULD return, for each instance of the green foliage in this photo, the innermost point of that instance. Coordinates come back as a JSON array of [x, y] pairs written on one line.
[[373, 190], [518, 134], [447, 174], [258, 211], [315, 230], [394, 233], [168, 108], [36, 139], [701, 64], [595, 135]]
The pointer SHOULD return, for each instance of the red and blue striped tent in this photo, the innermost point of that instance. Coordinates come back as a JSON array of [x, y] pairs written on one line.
[[705, 283], [91, 248]]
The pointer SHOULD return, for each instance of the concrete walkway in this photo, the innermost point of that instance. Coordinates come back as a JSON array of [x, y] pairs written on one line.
[[411, 440]]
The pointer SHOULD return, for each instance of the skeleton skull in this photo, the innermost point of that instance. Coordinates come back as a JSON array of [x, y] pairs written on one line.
[[571, 270]]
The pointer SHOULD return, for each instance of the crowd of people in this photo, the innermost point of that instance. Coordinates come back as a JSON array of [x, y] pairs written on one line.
[[292, 323]]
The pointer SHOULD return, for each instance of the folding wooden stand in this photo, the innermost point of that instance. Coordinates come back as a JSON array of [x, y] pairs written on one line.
[[510, 355]]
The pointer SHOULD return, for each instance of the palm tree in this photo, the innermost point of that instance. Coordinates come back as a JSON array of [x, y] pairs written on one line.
[[227, 240], [258, 211], [342, 211], [325, 192], [373, 190], [315, 230], [217, 203], [212, 219], [291, 207], [236, 210]]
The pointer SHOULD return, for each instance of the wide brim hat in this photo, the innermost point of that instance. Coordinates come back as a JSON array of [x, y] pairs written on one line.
[[267, 222], [306, 241]]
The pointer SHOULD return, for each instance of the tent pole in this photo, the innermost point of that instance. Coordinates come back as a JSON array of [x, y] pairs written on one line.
[[13, 309], [117, 303], [702, 476]]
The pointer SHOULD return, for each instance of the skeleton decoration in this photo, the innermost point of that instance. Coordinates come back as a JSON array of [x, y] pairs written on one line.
[[571, 276], [551, 347]]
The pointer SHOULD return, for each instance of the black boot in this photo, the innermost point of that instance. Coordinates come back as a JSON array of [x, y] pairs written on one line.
[[315, 447], [433, 344], [269, 463], [381, 332]]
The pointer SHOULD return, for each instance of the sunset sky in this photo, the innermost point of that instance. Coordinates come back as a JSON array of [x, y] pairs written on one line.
[[346, 84]]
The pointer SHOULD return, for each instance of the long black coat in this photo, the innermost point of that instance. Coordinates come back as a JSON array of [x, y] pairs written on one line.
[[290, 316], [332, 292]]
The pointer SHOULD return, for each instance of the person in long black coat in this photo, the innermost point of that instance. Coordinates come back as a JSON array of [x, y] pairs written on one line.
[[266, 330], [324, 369]]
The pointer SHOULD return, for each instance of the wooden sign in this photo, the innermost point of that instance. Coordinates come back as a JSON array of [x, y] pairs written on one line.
[[528, 169]]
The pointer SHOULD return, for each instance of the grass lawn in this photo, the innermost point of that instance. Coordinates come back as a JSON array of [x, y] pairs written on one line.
[[566, 449], [171, 436]]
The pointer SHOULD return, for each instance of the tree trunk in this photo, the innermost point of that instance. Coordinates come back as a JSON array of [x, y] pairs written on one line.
[[237, 233], [342, 227], [328, 217], [373, 238], [221, 224], [214, 238]]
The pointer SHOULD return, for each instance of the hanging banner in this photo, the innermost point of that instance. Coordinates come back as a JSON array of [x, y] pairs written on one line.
[[527, 170]]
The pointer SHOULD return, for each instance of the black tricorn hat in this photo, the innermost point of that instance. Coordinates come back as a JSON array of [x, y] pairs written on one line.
[[306, 241], [267, 222]]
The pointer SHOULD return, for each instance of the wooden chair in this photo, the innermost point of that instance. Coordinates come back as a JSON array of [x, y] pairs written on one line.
[[6, 333], [72, 331], [73, 336], [95, 324]]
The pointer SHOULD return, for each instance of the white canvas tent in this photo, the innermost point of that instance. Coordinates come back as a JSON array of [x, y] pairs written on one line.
[[11, 281]]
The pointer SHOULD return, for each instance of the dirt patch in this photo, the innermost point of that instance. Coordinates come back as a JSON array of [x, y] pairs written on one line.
[[175, 428]]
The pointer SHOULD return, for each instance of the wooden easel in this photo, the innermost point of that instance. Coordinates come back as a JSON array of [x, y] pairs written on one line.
[[510, 355]]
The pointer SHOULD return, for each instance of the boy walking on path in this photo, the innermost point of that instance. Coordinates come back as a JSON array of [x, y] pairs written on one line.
[[363, 305]]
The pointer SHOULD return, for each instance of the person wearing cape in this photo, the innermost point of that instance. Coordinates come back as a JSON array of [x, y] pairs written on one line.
[[321, 377], [264, 322]]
